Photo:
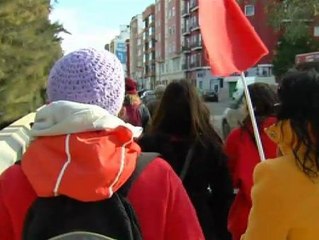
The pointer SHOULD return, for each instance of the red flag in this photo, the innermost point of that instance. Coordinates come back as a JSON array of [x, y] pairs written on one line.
[[231, 41]]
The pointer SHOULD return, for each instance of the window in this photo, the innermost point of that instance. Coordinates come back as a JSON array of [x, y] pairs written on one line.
[[173, 11], [200, 75], [316, 31], [200, 85], [249, 10], [176, 65], [152, 31]]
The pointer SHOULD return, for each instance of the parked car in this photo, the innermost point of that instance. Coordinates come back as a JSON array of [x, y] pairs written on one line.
[[233, 116], [140, 92], [210, 95], [148, 96]]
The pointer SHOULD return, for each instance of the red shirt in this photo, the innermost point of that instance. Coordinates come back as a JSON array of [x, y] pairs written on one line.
[[243, 157]]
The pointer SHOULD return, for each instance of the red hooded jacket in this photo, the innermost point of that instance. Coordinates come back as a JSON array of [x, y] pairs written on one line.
[[90, 166], [243, 156]]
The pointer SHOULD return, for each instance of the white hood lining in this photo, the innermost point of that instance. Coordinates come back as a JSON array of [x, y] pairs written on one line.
[[65, 117]]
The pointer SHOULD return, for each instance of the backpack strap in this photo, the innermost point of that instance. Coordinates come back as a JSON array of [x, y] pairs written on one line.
[[142, 161], [187, 162]]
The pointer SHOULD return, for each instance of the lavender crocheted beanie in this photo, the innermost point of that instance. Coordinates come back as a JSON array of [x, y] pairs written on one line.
[[88, 76]]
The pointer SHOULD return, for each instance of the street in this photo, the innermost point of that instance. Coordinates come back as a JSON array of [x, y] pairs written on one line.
[[217, 109]]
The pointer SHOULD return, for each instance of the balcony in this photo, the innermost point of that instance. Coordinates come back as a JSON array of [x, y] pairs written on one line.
[[197, 45], [194, 27], [193, 6], [185, 12], [186, 30], [196, 65], [186, 48], [185, 67]]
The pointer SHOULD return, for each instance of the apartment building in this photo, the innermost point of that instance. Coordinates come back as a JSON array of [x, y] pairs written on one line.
[[118, 45], [195, 64], [168, 41], [256, 13], [128, 58], [136, 49], [149, 61]]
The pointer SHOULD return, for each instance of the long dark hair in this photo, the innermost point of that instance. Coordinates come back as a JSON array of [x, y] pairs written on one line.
[[263, 97], [299, 103], [182, 112]]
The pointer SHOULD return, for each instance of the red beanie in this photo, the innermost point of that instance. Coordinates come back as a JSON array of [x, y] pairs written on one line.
[[130, 86]]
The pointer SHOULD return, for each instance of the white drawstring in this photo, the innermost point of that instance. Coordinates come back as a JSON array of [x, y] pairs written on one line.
[[122, 163], [68, 154]]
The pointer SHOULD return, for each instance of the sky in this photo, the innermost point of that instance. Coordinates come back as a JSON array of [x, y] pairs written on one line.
[[93, 23]]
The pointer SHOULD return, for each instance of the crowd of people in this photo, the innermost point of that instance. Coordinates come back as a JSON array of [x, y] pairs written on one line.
[[103, 162]]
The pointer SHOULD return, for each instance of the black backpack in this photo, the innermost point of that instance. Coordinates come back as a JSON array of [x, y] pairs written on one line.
[[65, 218]]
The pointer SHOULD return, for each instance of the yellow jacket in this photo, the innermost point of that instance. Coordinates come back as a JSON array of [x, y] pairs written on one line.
[[285, 200]]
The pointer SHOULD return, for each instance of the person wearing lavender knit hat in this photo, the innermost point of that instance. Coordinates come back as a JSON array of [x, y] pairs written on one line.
[[80, 159], [88, 76]]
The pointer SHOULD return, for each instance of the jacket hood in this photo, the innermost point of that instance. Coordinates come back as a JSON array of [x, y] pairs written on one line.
[[80, 151]]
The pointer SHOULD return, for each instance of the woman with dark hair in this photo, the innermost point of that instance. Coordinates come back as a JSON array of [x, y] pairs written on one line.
[[182, 133], [242, 152], [285, 194]]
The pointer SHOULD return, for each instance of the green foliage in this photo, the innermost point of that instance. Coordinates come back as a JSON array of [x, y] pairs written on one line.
[[292, 16], [29, 45], [287, 51]]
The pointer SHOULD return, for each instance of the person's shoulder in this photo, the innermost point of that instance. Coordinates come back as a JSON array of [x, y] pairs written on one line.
[[12, 173], [235, 134], [158, 174], [155, 182], [13, 180], [14, 177], [233, 140], [157, 169], [275, 166], [281, 171], [151, 103]]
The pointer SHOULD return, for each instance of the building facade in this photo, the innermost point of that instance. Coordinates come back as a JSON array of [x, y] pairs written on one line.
[[256, 13], [149, 61], [160, 39], [128, 58], [195, 63], [136, 49], [118, 45], [168, 41]]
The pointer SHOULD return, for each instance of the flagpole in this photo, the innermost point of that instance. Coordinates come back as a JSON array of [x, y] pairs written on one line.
[[253, 118]]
